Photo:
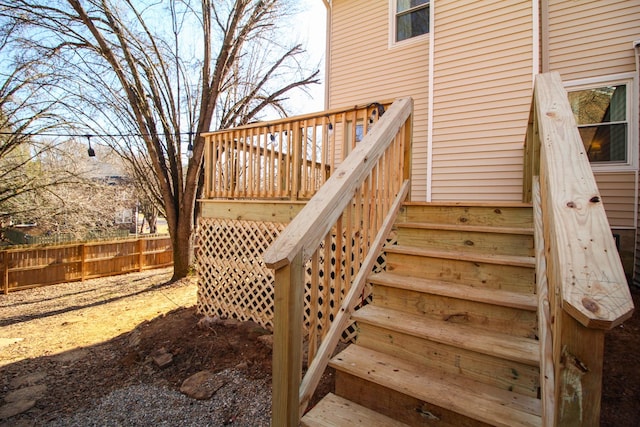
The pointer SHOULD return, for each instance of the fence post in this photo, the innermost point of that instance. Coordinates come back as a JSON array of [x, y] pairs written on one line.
[[83, 259], [140, 254], [6, 272]]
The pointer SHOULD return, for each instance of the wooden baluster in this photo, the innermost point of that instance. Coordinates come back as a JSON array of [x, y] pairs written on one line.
[[305, 160], [313, 307], [288, 163], [327, 283], [297, 161], [314, 157]]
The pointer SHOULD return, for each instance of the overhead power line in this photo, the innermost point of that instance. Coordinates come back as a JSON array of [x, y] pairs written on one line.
[[90, 135]]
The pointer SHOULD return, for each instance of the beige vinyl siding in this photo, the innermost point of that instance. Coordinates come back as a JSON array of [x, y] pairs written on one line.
[[483, 69], [618, 195], [364, 69], [636, 276], [592, 38]]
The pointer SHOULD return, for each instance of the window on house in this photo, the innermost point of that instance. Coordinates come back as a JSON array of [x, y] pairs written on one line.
[[353, 136], [411, 18], [602, 114]]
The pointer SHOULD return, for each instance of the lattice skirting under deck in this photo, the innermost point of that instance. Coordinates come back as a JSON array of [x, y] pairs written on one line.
[[234, 282]]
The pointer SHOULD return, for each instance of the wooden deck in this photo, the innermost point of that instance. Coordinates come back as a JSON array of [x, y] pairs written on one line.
[[494, 309]]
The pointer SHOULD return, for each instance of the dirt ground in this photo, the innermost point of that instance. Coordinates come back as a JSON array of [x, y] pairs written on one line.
[[92, 338], [621, 377], [98, 336]]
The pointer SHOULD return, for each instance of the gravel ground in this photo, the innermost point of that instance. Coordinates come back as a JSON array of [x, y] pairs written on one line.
[[87, 348], [146, 405]]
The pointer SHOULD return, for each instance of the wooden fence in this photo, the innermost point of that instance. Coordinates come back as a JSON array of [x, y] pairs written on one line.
[[29, 267]]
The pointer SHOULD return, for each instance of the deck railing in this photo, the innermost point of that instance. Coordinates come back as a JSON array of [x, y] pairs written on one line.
[[355, 210], [582, 287], [286, 159]]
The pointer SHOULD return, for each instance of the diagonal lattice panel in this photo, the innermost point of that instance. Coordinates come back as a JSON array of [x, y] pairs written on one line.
[[234, 282]]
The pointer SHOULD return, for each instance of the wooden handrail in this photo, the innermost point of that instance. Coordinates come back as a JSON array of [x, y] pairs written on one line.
[[307, 229], [347, 214], [286, 120], [320, 362], [587, 264], [581, 285]]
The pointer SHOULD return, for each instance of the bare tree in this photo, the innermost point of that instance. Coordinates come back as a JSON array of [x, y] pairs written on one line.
[[67, 193], [26, 112], [136, 60]]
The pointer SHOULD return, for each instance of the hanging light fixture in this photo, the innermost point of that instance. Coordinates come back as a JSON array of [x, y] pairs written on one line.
[[329, 125], [91, 152]]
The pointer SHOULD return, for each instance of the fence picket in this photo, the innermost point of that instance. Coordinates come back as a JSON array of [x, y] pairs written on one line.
[[29, 267]]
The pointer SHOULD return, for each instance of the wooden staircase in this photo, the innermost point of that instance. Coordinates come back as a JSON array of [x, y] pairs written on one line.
[[450, 338]]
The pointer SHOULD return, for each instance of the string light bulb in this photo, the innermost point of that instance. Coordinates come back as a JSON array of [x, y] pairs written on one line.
[[91, 152]]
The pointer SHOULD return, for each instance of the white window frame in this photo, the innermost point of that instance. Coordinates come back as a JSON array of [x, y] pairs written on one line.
[[393, 5], [630, 80]]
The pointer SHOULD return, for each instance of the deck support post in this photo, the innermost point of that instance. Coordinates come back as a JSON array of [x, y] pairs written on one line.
[[287, 347]]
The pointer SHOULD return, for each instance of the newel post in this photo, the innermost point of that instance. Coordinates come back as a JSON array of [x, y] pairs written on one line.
[[287, 343]]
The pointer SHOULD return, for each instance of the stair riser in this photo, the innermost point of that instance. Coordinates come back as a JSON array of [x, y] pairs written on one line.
[[478, 274], [489, 317], [469, 215], [501, 373], [467, 241], [398, 406]]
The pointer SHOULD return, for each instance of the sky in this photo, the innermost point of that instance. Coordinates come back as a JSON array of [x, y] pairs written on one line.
[[310, 31]]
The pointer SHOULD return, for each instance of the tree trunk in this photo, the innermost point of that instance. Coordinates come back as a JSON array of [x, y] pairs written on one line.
[[182, 242], [152, 220]]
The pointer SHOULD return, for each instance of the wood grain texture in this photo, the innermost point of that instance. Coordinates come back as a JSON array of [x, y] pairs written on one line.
[[334, 410], [307, 230], [287, 348], [319, 363], [524, 301], [547, 374], [467, 397], [589, 273]]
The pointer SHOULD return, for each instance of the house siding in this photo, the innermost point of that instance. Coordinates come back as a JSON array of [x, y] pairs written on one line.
[[484, 61], [618, 195], [483, 70], [363, 68], [636, 267], [592, 38]]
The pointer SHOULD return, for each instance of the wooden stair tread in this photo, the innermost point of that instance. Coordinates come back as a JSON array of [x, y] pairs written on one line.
[[334, 410], [518, 261], [518, 349], [466, 228], [464, 396], [518, 300], [471, 203]]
